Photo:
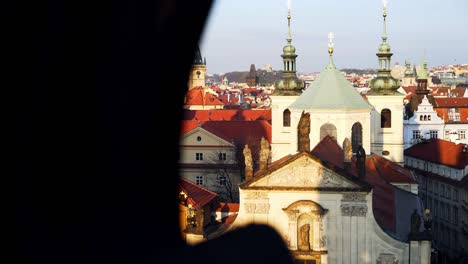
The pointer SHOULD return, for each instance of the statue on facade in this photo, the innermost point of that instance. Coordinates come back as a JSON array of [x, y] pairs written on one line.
[[303, 132], [264, 153], [248, 162], [415, 222], [303, 235]]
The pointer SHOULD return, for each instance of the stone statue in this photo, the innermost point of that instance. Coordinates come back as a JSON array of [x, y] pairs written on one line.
[[303, 132], [264, 153], [348, 152], [361, 161], [304, 231], [415, 222], [248, 162]]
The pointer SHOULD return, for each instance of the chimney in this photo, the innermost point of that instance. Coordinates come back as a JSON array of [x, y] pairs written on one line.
[[361, 161]]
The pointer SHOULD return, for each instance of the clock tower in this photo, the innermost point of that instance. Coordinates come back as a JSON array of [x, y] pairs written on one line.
[[198, 71]]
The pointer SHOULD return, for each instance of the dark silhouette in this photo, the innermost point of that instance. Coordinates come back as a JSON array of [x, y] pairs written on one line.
[[97, 90], [415, 222]]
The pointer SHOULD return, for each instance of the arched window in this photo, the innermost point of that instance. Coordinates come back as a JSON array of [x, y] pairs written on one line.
[[356, 136], [386, 118], [328, 130], [420, 117], [286, 118]]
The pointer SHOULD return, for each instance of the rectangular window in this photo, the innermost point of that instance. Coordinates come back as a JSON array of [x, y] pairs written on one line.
[[222, 180], [455, 195], [199, 156], [416, 134], [222, 156], [447, 134], [461, 134], [433, 133], [454, 114], [199, 180]]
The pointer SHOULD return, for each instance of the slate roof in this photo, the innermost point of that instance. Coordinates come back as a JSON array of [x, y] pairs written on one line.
[[441, 152], [330, 90]]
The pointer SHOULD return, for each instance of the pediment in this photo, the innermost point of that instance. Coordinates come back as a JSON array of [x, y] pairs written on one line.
[[202, 137], [304, 172]]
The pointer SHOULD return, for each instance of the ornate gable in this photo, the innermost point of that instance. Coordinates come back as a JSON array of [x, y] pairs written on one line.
[[200, 136], [304, 172]]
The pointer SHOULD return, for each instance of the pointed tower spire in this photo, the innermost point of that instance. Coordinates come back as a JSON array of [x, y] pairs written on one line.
[[384, 83], [289, 84], [331, 45], [289, 39], [384, 34]]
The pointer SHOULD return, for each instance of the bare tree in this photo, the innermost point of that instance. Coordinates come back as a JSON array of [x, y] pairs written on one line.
[[228, 174]]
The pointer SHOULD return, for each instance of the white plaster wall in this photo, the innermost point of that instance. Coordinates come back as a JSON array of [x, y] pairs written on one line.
[[343, 121], [349, 239], [281, 136], [389, 139]]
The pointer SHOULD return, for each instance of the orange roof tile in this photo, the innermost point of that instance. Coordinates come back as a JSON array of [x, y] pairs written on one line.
[[327, 149], [228, 114], [241, 132], [199, 96], [197, 195], [440, 151], [393, 172], [451, 101]]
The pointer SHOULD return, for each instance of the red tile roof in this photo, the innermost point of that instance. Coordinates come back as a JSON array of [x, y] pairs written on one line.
[[443, 113], [197, 195], [451, 101], [199, 96], [328, 149], [393, 172], [409, 89], [241, 132], [227, 114], [231, 207], [187, 126], [379, 173], [458, 92], [440, 151]]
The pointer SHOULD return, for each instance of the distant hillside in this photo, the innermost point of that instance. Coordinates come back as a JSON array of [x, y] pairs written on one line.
[[360, 71], [269, 78], [264, 77]]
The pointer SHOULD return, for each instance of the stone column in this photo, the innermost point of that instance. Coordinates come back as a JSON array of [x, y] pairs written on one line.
[[425, 251]]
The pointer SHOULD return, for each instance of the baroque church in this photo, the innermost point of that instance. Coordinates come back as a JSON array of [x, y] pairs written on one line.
[[332, 183]]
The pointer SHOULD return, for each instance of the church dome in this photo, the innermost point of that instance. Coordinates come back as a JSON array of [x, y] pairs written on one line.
[[384, 47], [384, 85], [289, 49]]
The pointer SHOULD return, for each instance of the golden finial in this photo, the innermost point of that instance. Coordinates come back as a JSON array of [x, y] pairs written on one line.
[[330, 43]]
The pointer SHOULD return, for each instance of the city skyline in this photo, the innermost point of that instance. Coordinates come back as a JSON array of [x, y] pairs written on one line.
[[240, 33]]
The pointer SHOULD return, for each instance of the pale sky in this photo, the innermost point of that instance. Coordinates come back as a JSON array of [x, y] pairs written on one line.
[[239, 33]]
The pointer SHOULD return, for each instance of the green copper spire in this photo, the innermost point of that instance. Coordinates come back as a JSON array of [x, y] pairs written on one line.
[[289, 84], [330, 90], [408, 70], [384, 83], [422, 74]]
